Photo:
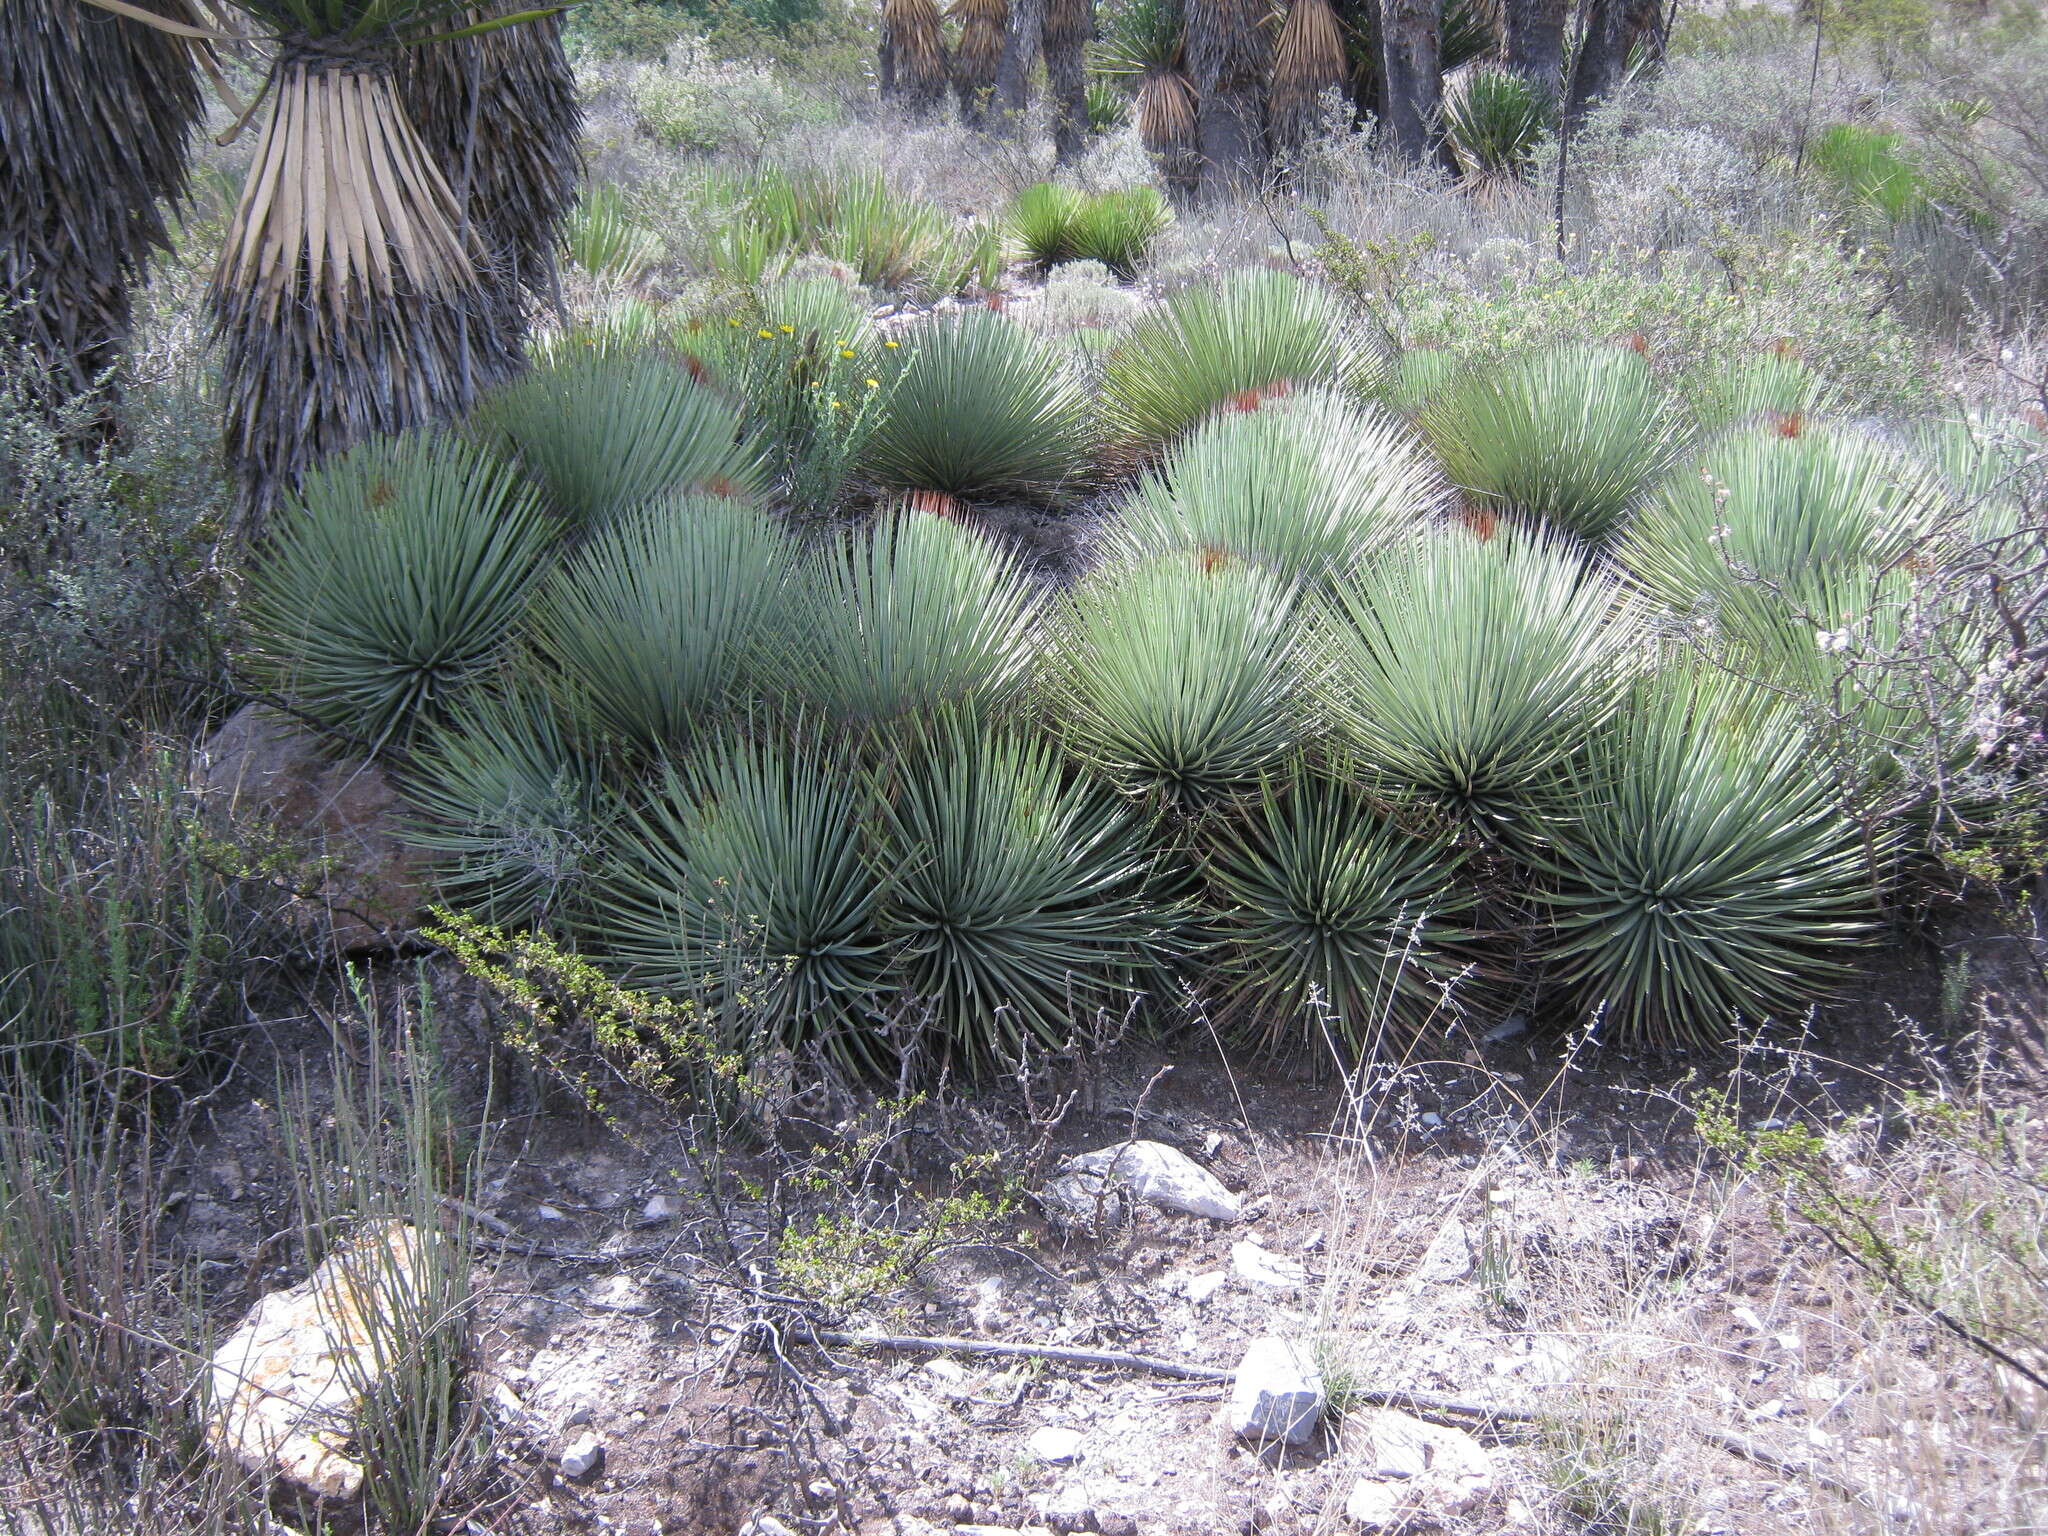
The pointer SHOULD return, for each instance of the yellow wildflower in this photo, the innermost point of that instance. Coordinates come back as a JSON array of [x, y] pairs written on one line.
[[846, 351], [789, 330], [874, 383], [891, 343], [765, 335]]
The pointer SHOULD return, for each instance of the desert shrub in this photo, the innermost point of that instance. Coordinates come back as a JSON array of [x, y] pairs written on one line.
[[1495, 120], [1082, 295], [392, 584], [1569, 436], [1180, 677], [978, 406], [602, 433], [1703, 874], [659, 618], [748, 863], [1258, 332], [1020, 896], [512, 800], [1052, 224], [1321, 909], [1465, 671], [1305, 486], [888, 240], [691, 101], [915, 613], [626, 29]]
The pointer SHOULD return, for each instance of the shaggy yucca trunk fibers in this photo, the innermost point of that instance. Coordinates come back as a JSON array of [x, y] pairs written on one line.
[[500, 115], [1308, 60], [1229, 50], [348, 295], [1069, 24], [914, 68], [95, 111], [979, 54]]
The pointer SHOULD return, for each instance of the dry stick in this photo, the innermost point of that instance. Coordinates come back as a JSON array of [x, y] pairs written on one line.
[[1422, 1404]]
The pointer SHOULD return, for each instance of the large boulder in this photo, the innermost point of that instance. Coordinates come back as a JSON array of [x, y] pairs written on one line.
[[288, 1384], [367, 885]]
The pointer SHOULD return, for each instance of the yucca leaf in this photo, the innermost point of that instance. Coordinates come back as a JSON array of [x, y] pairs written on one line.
[[1181, 677], [1572, 436], [1305, 486], [1495, 120], [392, 584], [659, 617]]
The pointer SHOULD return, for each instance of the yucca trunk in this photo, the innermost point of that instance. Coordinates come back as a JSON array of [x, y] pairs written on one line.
[[1069, 24], [1535, 41], [1612, 30], [347, 298], [1165, 115], [914, 70], [499, 112], [1308, 60], [1410, 39], [1229, 52], [96, 112], [1021, 43], [983, 24]]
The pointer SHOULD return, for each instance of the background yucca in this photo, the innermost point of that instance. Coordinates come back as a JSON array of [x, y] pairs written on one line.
[[1496, 119]]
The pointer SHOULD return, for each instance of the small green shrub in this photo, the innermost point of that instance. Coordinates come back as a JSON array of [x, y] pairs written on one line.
[[889, 241], [916, 613], [1180, 677], [1466, 670], [1320, 909], [1258, 333], [602, 433], [1703, 874], [656, 622], [691, 102], [392, 583], [1571, 436], [1020, 895], [978, 406], [1305, 486], [1041, 222], [1119, 228]]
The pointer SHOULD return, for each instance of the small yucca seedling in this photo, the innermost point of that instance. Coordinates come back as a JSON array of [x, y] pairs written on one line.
[[1041, 222], [1119, 228], [1763, 509], [601, 434], [512, 801], [1703, 874], [1020, 896], [1181, 677], [978, 406], [604, 240], [1259, 333], [916, 613], [1465, 670], [1571, 436], [659, 617], [1319, 908], [392, 583], [1306, 487], [744, 880], [1495, 120]]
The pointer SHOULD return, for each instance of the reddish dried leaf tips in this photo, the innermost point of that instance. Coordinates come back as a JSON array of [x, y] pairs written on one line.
[[1788, 423], [1482, 522], [936, 503]]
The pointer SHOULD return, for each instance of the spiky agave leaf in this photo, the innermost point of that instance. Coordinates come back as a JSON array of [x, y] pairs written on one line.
[[1466, 670], [983, 24], [1258, 333], [916, 613], [1180, 677], [1041, 222], [1570, 435], [98, 110], [1989, 463], [656, 621], [1495, 120], [393, 583], [914, 69], [1321, 909], [499, 111], [348, 297], [1308, 60], [1306, 487], [1470, 30], [977, 406], [1704, 874], [512, 801], [1020, 896], [1419, 374], [1763, 510], [602, 433], [745, 876], [1118, 228]]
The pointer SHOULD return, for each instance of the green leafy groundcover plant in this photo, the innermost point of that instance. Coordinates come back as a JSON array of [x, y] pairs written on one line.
[[393, 583], [1704, 874]]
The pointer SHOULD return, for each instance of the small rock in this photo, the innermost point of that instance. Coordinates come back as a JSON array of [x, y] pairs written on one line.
[[1055, 1446], [1277, 1394], [1374, 1505], [1448, 1256], [577, 1417], [1112, 1523], [765, 1525], [548, 1213], [621, 1293], [1150, 1170], [1067, 1508], [1258, 1266], [1199, 1288], [1447, 1470], [583, 1456], [661, 1208], [1514, 1024]]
